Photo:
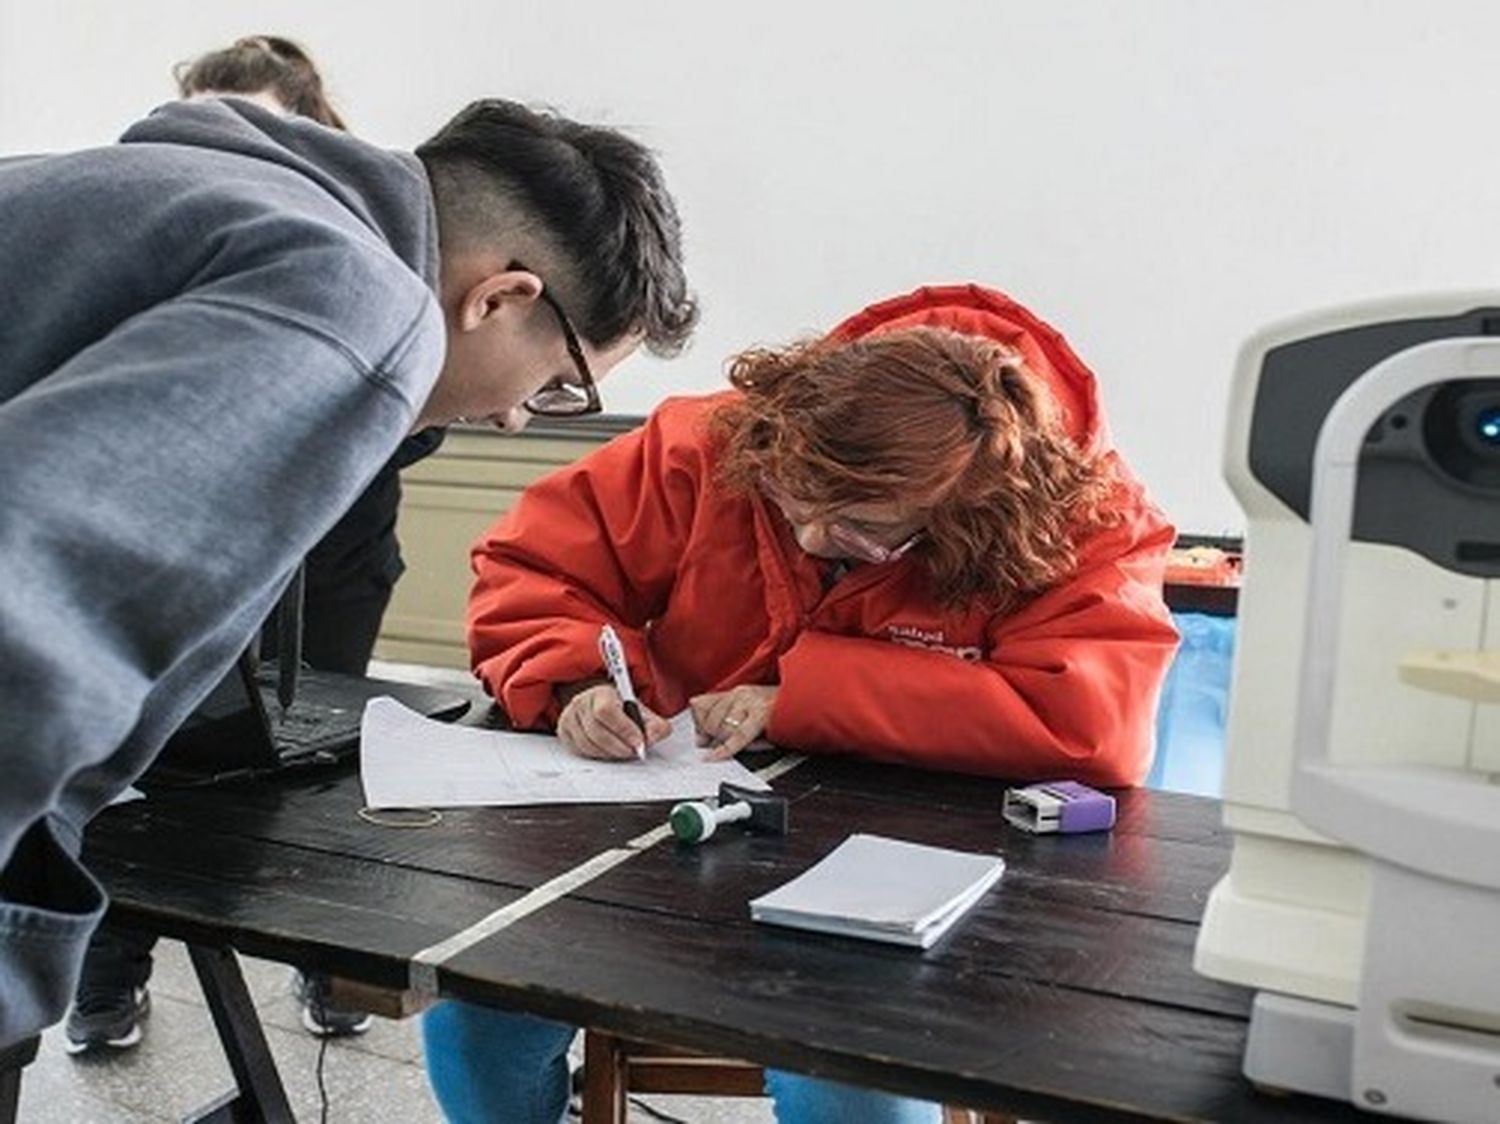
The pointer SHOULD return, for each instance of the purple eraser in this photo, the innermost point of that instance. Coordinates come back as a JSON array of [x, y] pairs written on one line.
[[1059, 806]]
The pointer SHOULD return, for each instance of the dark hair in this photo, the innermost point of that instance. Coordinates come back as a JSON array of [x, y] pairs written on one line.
[[949, 423], [593, 194], [261, 62]]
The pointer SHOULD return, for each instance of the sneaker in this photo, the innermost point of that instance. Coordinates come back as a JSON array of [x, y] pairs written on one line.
[[319, 1016], [106, 1018]]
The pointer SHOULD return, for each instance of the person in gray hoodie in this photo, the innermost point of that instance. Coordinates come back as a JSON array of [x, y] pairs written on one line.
[[348, 579], [212, 336]]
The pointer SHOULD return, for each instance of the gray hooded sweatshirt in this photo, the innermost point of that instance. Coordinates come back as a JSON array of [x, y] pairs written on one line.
[[211, 336]]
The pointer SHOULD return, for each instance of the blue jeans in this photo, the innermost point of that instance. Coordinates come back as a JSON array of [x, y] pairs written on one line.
[[489, 1066]]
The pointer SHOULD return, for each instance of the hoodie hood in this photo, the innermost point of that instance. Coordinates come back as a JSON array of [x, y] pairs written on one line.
[[387, 191], [975, 310]]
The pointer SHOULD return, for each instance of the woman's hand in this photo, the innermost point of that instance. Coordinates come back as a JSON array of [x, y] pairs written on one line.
[[731, 720], [594, 724]]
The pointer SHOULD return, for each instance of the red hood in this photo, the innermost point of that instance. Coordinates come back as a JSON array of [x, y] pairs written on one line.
[[975, 310]]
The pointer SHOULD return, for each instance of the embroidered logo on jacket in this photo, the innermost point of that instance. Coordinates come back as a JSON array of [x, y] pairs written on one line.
[[933, 639]]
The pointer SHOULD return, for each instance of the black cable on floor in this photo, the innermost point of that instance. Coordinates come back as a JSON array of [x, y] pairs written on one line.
[[654, 1112], [322, 1089]]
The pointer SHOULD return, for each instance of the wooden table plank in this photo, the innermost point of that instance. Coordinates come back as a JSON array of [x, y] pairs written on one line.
[[344, 915], [1163, 815]]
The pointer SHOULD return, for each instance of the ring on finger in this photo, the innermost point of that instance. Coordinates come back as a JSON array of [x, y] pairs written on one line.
[[734, 723]]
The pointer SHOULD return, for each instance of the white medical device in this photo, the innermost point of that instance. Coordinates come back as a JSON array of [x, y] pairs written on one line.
[[1363, 898]]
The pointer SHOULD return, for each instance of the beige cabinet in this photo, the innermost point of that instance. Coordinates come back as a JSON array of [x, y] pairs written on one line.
[[447, 502]]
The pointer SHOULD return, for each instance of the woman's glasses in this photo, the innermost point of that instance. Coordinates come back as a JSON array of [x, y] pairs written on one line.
[[865, 543], [856, 542]]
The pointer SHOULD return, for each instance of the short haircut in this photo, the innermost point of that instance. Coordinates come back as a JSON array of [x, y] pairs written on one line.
[[257, 64], [591, 195], [952, 424]]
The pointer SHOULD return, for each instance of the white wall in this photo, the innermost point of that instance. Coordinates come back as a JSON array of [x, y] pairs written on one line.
[[1156, 178]]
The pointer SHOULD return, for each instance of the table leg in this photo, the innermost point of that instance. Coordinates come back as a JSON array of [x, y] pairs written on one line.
[[13, 1059], [606, 1079], [260, 1096]]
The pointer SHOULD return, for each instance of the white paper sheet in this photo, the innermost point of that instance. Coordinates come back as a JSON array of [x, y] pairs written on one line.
[[407, 761]]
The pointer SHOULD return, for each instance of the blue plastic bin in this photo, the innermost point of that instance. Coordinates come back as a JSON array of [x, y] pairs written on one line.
[[1194, 703]]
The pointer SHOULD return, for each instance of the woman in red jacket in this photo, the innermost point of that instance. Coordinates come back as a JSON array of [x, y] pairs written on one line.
[[919, 515], [910, 541]]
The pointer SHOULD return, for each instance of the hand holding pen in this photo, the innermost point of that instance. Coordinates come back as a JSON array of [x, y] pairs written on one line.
[[612, 652], [607, 720]]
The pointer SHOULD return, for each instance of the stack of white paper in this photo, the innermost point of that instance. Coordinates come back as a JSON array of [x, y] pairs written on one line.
[[882, 890]]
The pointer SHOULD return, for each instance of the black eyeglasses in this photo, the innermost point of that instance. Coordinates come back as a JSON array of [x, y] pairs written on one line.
[[560, 399]]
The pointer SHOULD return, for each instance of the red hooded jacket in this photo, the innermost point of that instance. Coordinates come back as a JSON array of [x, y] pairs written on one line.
[[713, 592]]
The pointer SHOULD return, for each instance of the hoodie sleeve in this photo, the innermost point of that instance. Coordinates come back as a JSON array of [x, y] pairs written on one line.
[[1067, 687], [595, 542]]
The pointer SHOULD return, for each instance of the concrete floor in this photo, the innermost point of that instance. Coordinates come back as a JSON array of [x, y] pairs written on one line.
[[179, 1067]]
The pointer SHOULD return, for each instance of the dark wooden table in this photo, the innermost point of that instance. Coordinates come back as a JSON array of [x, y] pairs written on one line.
[[1068, 994]]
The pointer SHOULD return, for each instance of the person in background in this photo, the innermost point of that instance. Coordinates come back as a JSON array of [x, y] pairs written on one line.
[[271, 69], [217, 331], [349, 576], [920, 514]]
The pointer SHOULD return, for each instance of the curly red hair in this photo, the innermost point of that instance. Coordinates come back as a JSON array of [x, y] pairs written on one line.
[[951, 424]]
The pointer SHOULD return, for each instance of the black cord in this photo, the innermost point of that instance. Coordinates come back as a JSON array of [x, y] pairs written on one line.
[[575, 1101], [654, 1112], [312, 997], [322, 1089]]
